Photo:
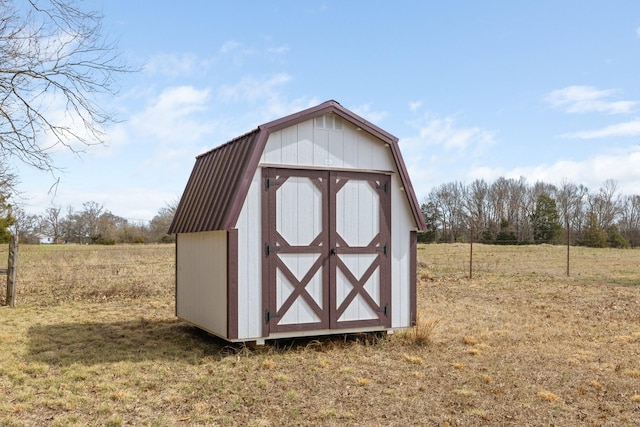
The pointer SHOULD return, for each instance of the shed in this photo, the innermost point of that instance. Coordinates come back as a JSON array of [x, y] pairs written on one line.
[[304, 226]]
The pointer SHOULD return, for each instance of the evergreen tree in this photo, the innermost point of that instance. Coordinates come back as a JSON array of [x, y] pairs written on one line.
[[431, 214], [506, 236], [545, 220], [615, 238], [594, 236], [6, 220]]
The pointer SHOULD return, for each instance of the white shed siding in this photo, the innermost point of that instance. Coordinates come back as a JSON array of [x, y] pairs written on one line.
[[307, 146], [250, 257], [401, 222], [201, 294]]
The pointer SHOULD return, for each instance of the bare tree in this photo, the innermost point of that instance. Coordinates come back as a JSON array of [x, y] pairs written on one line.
[[26, 226], [55, 64], [630, 219], [571, 199], [477, 205], [606, 204], [53, 221], [159, 225]]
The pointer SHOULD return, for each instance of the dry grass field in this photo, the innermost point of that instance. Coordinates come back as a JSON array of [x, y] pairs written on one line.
[[93, 341]]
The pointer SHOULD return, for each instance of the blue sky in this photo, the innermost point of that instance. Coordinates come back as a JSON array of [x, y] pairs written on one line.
[[547, 90]]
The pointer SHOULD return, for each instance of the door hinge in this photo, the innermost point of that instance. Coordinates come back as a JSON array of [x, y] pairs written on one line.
[[269, 315], [384, 310], [382, 186], [268, 249], [270, 182], [382, 249]]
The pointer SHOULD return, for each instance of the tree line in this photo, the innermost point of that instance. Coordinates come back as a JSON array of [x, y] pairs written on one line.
[[92, 224], [512, 211]]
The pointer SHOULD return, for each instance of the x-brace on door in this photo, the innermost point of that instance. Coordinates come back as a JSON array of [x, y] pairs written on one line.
[[326, 250]]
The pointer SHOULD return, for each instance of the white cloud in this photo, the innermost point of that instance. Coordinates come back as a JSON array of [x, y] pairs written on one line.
[[171, 117], [172, 66], [415, 106], [587, 99], [236, 51], [280, 50], [638, 31], [70, 126], [252, 89], [631, 128], [365, 111], [230, 46], [622, 167], [441, 151], [444, 132]]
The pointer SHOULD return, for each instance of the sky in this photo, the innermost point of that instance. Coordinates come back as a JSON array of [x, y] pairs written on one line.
[[545, 90]]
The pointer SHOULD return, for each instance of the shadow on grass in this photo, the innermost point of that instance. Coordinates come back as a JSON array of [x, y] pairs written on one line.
[[94, 343], [65, 344]]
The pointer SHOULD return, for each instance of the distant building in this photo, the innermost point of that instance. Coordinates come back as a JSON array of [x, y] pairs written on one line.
[[45, 240]]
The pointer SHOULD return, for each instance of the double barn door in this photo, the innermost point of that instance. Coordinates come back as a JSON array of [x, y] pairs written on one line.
[[326, 250]]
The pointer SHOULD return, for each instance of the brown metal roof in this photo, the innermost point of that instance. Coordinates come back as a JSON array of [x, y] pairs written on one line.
[[220, 179]]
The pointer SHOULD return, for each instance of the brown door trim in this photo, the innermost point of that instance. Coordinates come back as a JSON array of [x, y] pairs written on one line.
[[380, 245], [331, 245], [276, 245]]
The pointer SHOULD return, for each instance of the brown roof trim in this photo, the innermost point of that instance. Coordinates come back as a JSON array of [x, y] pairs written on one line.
[[325, 108], [221, 177], [408, 187]]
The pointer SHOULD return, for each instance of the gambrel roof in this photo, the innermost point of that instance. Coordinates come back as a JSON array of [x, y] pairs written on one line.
[[221, 177]]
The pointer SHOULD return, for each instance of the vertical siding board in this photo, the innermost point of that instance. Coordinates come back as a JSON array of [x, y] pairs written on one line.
[[232, 284], [401, 266], [320, 148], [335, 148], [350, 150], [305, 143], [250, 262], [413, 287], [380, 155], [266, 279], [365, 152], [273, 150], [289, 148]]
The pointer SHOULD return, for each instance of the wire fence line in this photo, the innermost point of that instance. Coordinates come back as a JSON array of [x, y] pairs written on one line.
[[462, 259], [58, 273]]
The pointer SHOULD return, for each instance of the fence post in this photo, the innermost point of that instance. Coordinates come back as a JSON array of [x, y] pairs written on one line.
[[12, 271], [471, 258]]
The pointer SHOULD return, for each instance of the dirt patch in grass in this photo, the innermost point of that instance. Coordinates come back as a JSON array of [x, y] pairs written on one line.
[[510, 347]]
